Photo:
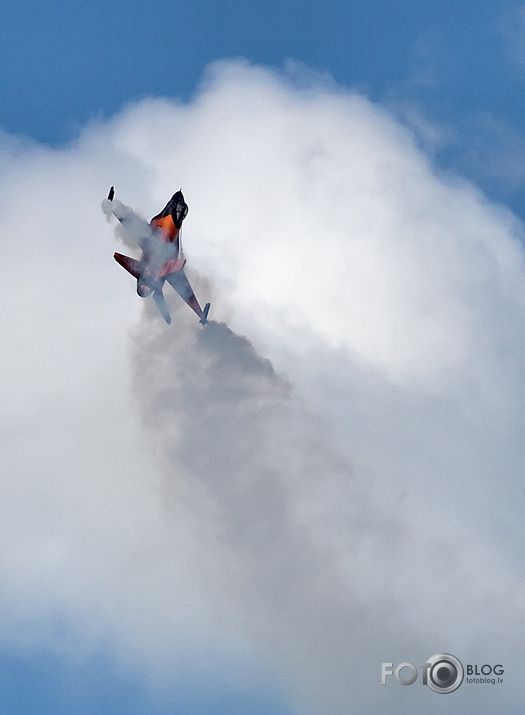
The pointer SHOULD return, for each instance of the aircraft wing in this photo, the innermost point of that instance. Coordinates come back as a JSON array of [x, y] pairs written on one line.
[[181, 284]]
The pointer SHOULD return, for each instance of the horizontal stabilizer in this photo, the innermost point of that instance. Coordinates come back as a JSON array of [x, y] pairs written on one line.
[[130, 264], [160, 302], [172, 265]]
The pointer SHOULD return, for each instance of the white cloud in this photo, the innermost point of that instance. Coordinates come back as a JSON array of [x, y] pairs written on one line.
[[356, 503], [512, 31]]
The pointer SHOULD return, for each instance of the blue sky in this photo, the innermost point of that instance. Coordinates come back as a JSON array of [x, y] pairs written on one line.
[[64, 66], [405, 359], [459, 64]]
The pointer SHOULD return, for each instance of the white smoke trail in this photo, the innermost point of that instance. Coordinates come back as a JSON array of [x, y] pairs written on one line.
[[132, 229], [320, 578]]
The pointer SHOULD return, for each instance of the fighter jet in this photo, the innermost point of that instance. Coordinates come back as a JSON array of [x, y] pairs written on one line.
[[161, 258]]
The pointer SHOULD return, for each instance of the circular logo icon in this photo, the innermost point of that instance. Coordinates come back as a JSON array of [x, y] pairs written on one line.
[[445, 673]]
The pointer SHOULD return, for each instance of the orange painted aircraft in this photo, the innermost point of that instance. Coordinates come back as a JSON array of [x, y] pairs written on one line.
[[161, 258]]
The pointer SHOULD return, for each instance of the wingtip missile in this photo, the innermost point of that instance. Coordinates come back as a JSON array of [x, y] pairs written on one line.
[[111, 194], [205, 312]]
